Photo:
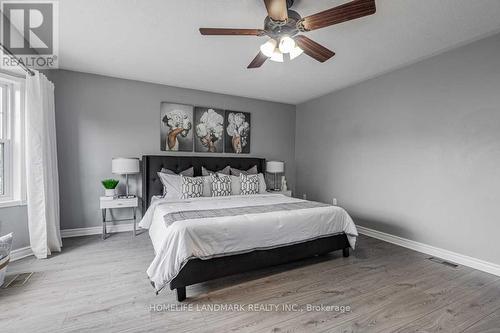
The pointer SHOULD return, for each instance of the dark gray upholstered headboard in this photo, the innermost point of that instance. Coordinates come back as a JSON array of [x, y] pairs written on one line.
[[151, 164]]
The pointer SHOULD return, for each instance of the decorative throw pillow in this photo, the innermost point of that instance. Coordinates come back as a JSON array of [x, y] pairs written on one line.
[[252, 171], [192, 187], [189, 172], [206, 172], [249, 184], [207, 185], [221, 185]]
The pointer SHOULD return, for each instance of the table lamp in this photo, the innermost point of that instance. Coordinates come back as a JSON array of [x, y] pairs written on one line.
[[275, 168], [125, 166]]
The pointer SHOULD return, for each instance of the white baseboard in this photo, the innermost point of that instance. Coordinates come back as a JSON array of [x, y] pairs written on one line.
[[20, 253], [67, 233], [110, 228], [457, 258]]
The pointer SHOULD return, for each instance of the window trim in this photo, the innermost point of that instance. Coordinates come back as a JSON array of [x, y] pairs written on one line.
[[7, 171], [14, 143]]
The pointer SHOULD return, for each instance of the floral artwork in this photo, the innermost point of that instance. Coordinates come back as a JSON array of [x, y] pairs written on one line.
[[176, 127], [237, 139], [209, 130]]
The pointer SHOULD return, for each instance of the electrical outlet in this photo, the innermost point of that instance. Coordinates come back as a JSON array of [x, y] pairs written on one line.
[[334, 201]]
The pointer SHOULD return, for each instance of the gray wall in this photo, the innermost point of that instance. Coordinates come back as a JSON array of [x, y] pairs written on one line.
[[15, 219], [415, 153], [100, 117]]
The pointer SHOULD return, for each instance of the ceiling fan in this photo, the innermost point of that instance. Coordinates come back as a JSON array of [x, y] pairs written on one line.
[[283, 26]]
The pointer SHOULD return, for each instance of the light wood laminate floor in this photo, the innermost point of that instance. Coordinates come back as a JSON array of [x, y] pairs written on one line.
[[101, 286]]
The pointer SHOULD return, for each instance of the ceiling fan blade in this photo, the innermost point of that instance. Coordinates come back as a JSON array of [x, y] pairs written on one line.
[[231, 32], [277, 9], [343, 13], [258, 61], [313, 49]]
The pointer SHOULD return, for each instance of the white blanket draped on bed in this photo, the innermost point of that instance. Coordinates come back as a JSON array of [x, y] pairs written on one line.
[[207, 238]]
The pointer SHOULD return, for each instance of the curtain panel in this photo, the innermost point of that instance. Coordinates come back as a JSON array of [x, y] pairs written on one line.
[[41, 167]]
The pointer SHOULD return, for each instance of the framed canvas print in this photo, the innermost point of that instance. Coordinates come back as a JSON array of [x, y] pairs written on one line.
[[208, 130], [237, 132], [176, 127]]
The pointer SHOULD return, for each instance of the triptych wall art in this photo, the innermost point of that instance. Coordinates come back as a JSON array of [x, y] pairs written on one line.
[[207, 130]]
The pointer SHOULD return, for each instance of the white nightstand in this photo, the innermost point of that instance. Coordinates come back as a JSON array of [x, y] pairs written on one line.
[[288, 193], [115, 203]]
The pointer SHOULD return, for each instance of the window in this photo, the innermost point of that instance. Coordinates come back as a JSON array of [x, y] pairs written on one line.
[[12, 183]]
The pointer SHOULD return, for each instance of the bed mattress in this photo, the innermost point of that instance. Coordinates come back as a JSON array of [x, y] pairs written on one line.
[[220, 226]]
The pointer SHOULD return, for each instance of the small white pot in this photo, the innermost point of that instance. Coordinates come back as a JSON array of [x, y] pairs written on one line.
[[109, 192]]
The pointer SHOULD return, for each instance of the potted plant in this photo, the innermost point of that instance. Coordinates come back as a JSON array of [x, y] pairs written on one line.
[[110, 186]]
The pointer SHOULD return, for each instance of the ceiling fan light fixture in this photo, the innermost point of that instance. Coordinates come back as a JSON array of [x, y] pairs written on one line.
[[268, 48], [297, 51], [287, 44], [285, 29], [277, 56]]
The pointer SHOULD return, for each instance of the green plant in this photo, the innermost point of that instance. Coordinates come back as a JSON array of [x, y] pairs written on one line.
[[110, 184]]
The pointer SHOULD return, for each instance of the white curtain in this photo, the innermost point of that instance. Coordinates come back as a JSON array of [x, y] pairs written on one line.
[[41, 167]]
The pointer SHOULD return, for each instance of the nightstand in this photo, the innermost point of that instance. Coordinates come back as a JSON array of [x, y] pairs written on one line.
[[288, 193], [117, 203]]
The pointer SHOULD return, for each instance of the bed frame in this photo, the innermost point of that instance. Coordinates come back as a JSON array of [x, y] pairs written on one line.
[[197, 270]]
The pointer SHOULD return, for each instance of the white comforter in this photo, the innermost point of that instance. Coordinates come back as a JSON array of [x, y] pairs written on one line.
[[213, 237]]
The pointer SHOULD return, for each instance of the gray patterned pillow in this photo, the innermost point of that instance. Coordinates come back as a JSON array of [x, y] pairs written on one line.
[[249, 184], [206, 172], [189, 172], [221, 185], [192, 187], [252, 171]]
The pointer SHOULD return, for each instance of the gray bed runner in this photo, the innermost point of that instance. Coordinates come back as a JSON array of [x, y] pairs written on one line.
[[171, 218]]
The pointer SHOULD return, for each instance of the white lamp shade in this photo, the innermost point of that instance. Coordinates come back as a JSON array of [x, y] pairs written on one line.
[[286, 44], [125, 166], [277, 56], [275, 166], [295, 52], [268, 48]]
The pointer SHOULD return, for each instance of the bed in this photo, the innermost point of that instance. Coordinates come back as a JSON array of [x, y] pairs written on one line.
[[201, 239]]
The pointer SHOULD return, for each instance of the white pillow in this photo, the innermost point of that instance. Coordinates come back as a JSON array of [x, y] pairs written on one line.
[[262, 184], [207, 186], [235, 185], [172, 185]]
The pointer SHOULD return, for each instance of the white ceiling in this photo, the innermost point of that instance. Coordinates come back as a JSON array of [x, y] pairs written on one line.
[[158, 41]]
